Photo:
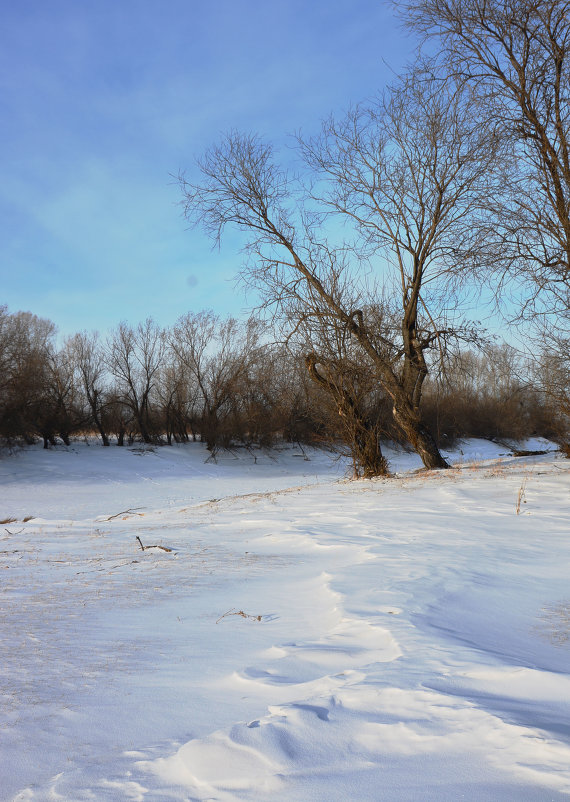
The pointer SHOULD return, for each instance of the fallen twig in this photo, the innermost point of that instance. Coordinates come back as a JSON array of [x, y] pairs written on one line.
[[233, 611], [107, 568], [125, 512], [144, 548], [522, 453], [13, 533]]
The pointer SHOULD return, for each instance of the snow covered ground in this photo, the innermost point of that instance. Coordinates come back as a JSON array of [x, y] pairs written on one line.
[[307, 638]]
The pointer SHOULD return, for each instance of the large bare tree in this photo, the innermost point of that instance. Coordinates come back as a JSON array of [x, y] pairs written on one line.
[[515, 54], [409, 172]]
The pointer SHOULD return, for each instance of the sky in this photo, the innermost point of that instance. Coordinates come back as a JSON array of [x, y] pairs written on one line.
[[102, 104]]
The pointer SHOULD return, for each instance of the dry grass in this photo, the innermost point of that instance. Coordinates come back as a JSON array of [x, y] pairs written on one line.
[[241, 613], [521, 496]]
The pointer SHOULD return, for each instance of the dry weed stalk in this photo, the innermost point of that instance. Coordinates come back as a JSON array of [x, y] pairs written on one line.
[[233, 611], [521, 495]]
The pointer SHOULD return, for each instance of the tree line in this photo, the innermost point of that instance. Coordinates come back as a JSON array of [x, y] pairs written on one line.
[[229, 384], [455, 178]]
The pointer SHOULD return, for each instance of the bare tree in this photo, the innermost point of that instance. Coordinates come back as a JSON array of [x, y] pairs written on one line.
[[118, 416], [552, 370], [88, 361], [359, 423], [515, 55], [217, 354], [5, 337], [27, 408], [134, 357], [409, 173], [291, 404], [7, 355], [351, 405], [177, 394], [63, 409]]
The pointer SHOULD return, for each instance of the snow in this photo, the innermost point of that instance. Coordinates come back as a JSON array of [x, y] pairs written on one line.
[[306, 638]]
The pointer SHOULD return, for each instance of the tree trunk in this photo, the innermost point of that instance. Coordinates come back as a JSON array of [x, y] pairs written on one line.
[[100, 429], [144, 433], [420, 438], [361, 436], [369, 458]]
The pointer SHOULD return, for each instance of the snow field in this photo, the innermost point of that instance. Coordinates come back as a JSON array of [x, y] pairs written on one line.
[[413, 641]]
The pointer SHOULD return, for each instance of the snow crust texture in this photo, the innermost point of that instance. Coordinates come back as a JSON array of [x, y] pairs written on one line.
[[285, 634]]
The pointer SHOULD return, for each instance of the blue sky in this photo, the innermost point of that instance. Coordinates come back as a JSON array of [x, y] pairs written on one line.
[[101, 102]]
